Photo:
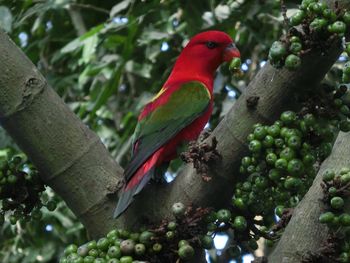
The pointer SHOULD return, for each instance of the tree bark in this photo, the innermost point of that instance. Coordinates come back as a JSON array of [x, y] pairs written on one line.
[[70, 157], [304, 233]]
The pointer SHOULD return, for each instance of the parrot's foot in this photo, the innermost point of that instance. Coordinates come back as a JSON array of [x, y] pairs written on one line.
[[202, 155]]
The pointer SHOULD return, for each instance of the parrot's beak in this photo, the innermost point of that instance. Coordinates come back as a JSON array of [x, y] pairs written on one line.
[[230, 52]]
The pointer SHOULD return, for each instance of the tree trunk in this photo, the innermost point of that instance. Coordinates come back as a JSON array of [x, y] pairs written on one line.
[[69, 156]]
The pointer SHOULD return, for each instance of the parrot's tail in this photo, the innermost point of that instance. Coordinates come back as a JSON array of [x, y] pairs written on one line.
[[138, 181]]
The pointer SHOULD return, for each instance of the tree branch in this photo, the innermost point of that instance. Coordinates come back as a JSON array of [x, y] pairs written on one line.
[[304, 233], [70, 157]]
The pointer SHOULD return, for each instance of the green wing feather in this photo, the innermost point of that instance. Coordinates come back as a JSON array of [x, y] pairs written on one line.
[[184, 105]]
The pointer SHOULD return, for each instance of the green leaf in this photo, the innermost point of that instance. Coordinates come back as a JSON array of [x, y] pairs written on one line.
[[119, 7], [5, 18], [71, 46], [89, 49], [83, 40], [142, 70], [108, 90]]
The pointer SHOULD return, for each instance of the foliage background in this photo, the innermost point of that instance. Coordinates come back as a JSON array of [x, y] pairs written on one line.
[[106, 59]]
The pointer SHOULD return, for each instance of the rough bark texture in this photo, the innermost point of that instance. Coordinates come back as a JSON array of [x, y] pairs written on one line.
[[304, 233], [70, 157]]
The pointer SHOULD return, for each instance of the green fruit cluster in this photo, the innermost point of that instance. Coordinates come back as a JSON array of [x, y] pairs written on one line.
[[224, 220], [281, 164], [336, 218], [170, 242], [286, 53], [20, 190], [319, 20]]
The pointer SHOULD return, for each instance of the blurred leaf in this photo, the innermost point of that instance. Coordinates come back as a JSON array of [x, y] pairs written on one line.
[[5, 18], [41, 8], [142, 70], [222, 12], [151, 34], [108, 90], [119, 7], [71, 46], [90, 39], [89, 49]]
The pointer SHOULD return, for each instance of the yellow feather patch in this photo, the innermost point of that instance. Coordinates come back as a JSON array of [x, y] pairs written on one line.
[[158, 94]]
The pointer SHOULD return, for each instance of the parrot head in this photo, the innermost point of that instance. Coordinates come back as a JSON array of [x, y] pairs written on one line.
[[205, 52]]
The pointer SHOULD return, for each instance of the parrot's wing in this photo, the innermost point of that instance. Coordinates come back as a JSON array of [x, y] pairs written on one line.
[[184, 105]]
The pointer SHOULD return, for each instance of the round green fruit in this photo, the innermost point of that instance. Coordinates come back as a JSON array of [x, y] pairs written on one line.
[[157, 247], [295, 47], [281, 164], [224, 215], [292, 183], [170, 235], [182, 243], [329, 14], [337, 202], [338, 27], [240, 223], [126, 259], [328, 175], [255, 146], [71, 249], [102, 244], [287, 153], [140, 249], [346, 17], [344, 219], [318, 24], [271, 158], [127, 246], [207, 242], [172, 225], [186, 252], [292, 62], [277, 50], [260, 132], [114, 252], [297, 18], [146, 237], [295, 167], [178, 209], [235, 64], [288, 117], [239, 203]]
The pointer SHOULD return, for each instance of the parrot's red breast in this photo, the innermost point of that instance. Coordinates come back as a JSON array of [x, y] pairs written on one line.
[[178, 113]]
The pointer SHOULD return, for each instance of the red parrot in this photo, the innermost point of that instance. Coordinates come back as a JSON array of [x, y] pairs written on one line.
[[178, 113]]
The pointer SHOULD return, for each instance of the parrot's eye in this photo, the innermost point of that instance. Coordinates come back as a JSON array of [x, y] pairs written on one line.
[[211, 44]]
